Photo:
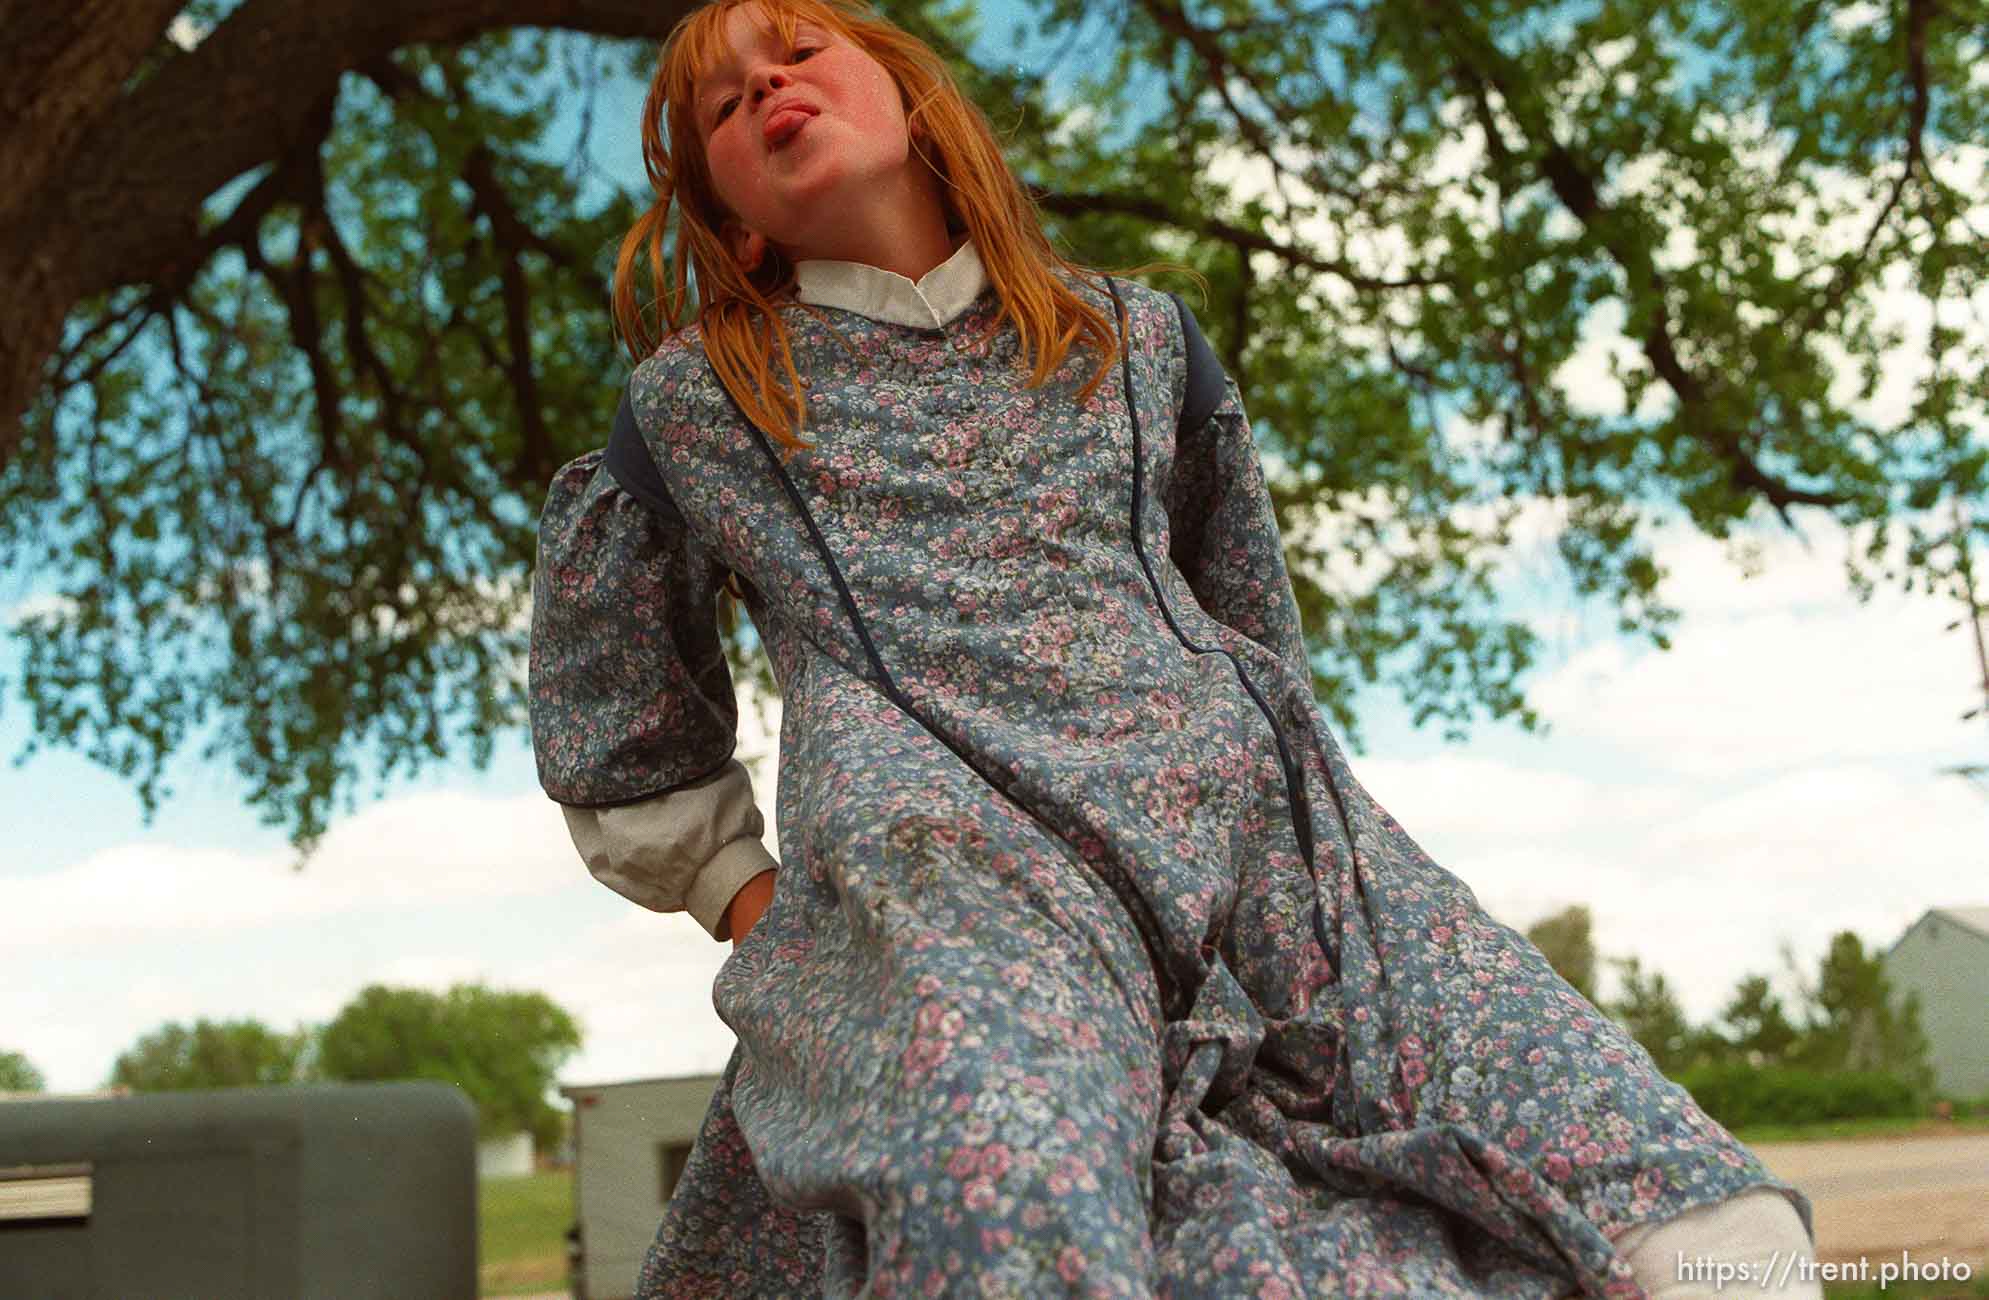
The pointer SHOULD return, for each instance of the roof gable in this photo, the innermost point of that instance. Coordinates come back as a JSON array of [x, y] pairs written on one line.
[[1973, 918]]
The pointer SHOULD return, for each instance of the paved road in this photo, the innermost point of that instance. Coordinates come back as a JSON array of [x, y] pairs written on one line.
[[1876, 1197]]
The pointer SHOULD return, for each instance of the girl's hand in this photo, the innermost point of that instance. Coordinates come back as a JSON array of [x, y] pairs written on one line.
[[744, 911]]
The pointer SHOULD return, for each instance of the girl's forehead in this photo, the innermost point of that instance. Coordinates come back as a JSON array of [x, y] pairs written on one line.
[[711, 49]]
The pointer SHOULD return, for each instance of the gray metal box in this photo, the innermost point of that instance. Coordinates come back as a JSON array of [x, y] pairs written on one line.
[[336, 1190]]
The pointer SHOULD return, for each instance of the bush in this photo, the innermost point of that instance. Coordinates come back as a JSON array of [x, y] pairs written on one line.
[[1969, 1107], [1739, 1095]]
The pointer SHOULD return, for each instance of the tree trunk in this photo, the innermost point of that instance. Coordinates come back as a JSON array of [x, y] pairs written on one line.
[[43, 279], [102, 182], [61, 77]]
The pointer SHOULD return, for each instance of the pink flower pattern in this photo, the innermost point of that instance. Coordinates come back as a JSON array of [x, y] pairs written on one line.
[[1048, 1001]]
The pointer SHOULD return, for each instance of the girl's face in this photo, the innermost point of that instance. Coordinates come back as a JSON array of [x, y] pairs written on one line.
[[797, 135]]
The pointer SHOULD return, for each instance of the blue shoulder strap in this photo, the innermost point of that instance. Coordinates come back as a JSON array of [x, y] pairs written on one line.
[[1205, 376], [628, 459]]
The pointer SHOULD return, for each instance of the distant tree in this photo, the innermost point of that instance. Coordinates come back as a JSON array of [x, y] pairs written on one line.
[[1855, 1021], [501, 1048], [1756, 1025], [211, 1054], [18, 1074], [1648, 1007], [1567, 940]]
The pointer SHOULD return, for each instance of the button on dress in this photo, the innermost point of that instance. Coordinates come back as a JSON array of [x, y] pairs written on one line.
[[1090, 968]]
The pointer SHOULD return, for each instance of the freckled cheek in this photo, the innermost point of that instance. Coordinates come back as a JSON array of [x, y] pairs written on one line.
[[737, 179], [879, 101], [877, 123]]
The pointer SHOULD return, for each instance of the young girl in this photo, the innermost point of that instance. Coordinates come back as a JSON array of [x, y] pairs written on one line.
[[1088, 968]]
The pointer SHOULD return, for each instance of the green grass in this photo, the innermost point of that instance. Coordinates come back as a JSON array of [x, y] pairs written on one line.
[[1857, 1128], [521, 1230], [1976, 1289]]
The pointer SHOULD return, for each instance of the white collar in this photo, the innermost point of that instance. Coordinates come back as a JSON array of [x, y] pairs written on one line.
[[930, 303]]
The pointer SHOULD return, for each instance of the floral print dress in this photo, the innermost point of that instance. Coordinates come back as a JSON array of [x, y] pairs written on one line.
[[1090, 970]]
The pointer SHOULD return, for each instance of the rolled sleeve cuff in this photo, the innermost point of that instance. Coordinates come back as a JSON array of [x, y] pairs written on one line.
[[685, 850]]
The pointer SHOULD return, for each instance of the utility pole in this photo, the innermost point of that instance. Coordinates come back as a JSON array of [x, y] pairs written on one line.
[[1965, 571]]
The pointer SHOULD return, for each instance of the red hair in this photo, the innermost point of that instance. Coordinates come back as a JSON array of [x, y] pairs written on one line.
[[738, 310]]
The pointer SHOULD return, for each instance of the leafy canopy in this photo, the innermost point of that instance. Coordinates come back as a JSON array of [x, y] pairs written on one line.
[[504, 1049], [211, 1054], [278, 492], [1567, 940], [18, 1074]]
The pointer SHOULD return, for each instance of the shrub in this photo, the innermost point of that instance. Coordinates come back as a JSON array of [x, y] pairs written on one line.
[[1739, 1095], [1969, 1107]]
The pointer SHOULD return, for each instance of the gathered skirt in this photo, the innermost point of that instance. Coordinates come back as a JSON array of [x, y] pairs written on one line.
[[976, 1060]]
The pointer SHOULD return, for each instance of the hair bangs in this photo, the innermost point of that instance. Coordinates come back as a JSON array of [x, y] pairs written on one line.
[[700, 44]]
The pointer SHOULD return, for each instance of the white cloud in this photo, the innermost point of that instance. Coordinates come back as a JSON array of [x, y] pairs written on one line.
[[416, 851], [185, 32], [1864, 833], [424, 890], [641, 987], [1851, 17], [639, 982], [36, 606], [1705, 883], [1458, 794], [1772, 672], [1775, 778], [1585, 379]]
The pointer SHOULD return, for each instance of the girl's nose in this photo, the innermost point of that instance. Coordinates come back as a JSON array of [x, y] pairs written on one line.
[[768, 81]]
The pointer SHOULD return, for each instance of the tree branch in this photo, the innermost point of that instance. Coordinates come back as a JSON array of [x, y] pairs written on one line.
[[64, 64], [138, 180], [110, 190], [145, 306], [511, 237], [1170, 19], [1152, 209], [1919, 13], [1575, 186]]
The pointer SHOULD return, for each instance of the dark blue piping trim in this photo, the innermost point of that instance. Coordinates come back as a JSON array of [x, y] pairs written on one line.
[[1204, 374], [1171, 997], [1294, 784]]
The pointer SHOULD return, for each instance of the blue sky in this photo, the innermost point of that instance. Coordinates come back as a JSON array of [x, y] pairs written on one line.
[[1775, 777]]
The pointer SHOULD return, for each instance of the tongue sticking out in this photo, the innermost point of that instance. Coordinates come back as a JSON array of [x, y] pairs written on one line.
[[783, 126]]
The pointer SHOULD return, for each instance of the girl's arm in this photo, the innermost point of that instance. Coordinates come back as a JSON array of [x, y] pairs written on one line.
[[748, 905], [1223, 533], [634, 719]]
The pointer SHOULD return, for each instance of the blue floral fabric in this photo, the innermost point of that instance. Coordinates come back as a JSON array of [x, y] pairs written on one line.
[[1090, 970]]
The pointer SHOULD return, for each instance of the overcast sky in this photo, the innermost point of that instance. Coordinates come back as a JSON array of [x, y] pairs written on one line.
[[1773, 778]]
